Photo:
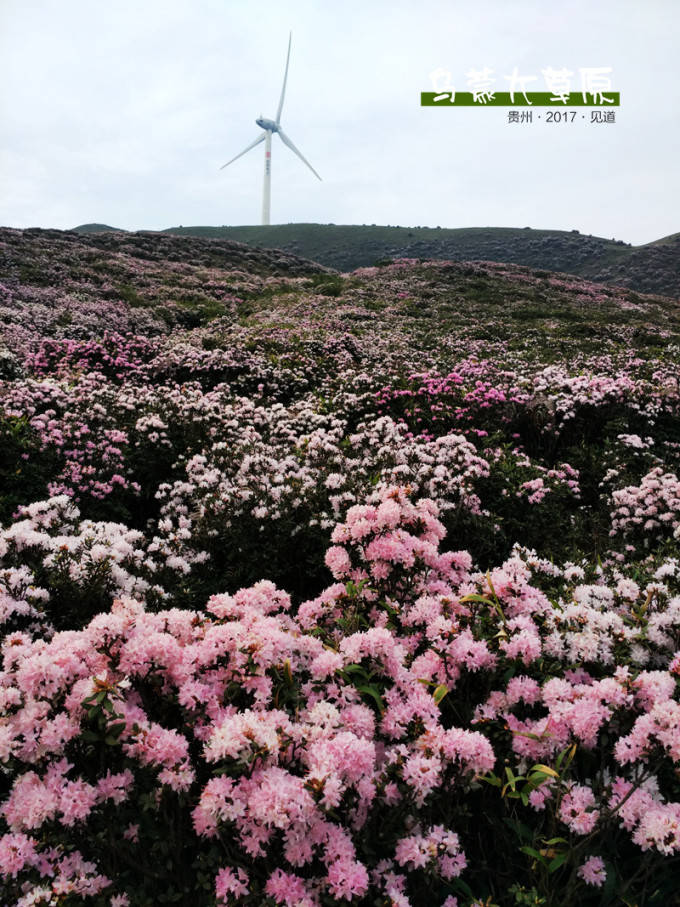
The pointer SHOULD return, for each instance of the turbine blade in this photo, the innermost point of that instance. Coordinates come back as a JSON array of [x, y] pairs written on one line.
[[285, 77], [287, 141], [257, 141]]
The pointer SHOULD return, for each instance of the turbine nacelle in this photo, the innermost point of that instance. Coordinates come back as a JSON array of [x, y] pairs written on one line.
[[264, 123]]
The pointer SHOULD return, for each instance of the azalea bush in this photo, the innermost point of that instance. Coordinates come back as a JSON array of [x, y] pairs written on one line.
[[418, 733], [330, 590]]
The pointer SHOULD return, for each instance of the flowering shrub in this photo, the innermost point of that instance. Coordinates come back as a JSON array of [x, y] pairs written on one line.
[[330, 589], [648, 509], [337, 753], [114, 355]]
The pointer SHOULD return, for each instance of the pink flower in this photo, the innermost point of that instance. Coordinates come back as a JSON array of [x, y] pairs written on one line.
[[347, 879], [577, 809], [76, 801], [338, 561], [16, 851], [286, 888], [229, 882], [593, 872]]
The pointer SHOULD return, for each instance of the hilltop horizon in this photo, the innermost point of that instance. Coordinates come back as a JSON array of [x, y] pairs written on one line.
[[652, 267], [97, 226]]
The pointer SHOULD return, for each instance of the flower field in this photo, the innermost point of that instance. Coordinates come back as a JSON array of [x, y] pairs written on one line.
[[334, 589]]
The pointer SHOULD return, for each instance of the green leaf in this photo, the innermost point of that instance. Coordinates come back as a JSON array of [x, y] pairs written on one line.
[[474, 597], [557, 861], [535, 781], [374, 694], [511, 782], [440, 692], [569, 752], [488, 579], [491, 779]]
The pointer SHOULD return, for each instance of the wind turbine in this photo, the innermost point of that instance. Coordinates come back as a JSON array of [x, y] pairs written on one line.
[[270, 127]]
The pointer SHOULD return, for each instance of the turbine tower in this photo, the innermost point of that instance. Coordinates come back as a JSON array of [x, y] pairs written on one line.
[[270, 127]]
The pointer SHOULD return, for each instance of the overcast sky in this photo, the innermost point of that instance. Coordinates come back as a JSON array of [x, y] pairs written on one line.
[[123, 111]]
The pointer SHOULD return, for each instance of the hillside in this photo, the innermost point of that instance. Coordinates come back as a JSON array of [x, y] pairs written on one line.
[[96, 249], [171, 308], [183, 277], [351, 587], [652, 268], [348, 247], [188, 279], [192, 279]]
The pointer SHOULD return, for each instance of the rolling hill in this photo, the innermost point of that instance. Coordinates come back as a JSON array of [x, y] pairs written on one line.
[[650, 268]]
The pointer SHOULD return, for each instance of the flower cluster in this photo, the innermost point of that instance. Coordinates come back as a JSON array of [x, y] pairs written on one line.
[[292, 738]]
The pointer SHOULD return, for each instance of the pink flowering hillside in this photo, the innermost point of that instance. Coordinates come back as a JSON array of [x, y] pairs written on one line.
[[323, 589]]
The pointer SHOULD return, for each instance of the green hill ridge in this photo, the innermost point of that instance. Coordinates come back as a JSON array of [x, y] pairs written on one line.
[[650, 268]]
